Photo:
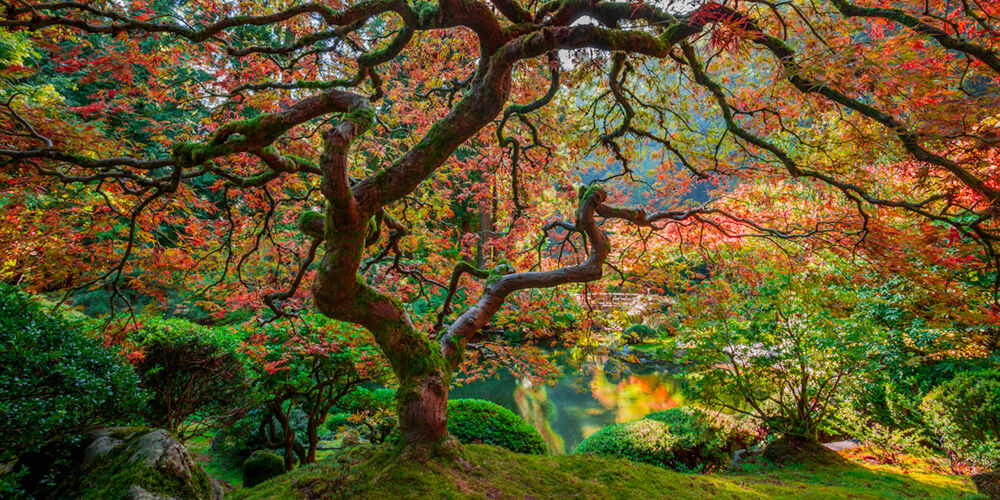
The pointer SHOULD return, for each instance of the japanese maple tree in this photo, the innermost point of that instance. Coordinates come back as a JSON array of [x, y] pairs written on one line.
[[254, 148]]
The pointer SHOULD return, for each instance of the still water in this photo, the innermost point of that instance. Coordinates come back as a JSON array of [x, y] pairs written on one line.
[[582, 401]]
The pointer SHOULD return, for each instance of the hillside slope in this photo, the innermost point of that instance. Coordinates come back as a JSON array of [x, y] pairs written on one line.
[[369, 473]]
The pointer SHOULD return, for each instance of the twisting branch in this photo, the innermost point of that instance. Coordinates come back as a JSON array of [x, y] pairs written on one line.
[[273, 300], [456, 276]]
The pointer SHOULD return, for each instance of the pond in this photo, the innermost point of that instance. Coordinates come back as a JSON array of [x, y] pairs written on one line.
[[582, 401]]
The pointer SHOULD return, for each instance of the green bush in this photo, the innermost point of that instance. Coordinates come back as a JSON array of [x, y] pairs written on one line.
[[964, 413], [338, 420], [478, 421], [637, 334], [197, 375], [261, 466], [374, 412], [55, 381], [683, 439], [886, 444]]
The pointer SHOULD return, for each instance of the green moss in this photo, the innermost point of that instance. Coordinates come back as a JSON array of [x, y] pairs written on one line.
[[300, 160], [110, 476], [363, 117], [503, 268], [189, 153], [367, 472], [455, 358], [306, 223], [425, 11]]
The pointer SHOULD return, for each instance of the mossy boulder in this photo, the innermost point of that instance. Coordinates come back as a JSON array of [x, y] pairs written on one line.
[[988, 484], [261, 466], [136, 463]]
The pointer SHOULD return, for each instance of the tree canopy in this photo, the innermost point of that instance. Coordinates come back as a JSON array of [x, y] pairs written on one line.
[[368, 158]]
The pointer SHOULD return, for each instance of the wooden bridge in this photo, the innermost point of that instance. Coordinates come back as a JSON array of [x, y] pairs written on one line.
[[632, 303]]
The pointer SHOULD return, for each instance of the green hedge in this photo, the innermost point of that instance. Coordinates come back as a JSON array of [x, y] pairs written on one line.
[[55, 380], [965, 415], [683, 439], [469, 420], [478, 421]]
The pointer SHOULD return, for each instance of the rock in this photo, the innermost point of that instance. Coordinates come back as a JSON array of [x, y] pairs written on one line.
[[136, 492], [99, 446], [740, 456], [988, 484], [850, 444], [137, 463]]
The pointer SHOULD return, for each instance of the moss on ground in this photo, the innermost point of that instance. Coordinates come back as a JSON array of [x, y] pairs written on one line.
[[367, 472], [224, 468]]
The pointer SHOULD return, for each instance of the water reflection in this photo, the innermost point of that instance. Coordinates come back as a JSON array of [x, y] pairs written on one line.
[[580, 403]]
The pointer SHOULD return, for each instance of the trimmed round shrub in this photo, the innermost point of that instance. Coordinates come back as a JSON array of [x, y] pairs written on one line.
[[964, 413], [261, 466], [55, 380], [197, 375], [637, 334], [478, 421], [683, 439]]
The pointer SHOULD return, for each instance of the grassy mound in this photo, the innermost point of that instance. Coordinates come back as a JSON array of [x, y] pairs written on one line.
[[786, 451], [367, 472]]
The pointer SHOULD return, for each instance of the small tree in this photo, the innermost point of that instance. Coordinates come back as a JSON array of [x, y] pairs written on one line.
[[311, 367], [372, 412], [776, 351], [197, 375]]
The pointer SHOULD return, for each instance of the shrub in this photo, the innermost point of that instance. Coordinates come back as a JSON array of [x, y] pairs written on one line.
[[478, 421], [337, 421], [886, 444], [55, 381], [682, 439], [637, 334], [261, 466], [197, 376], [964, 413], [372, 412], [784, 346]]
